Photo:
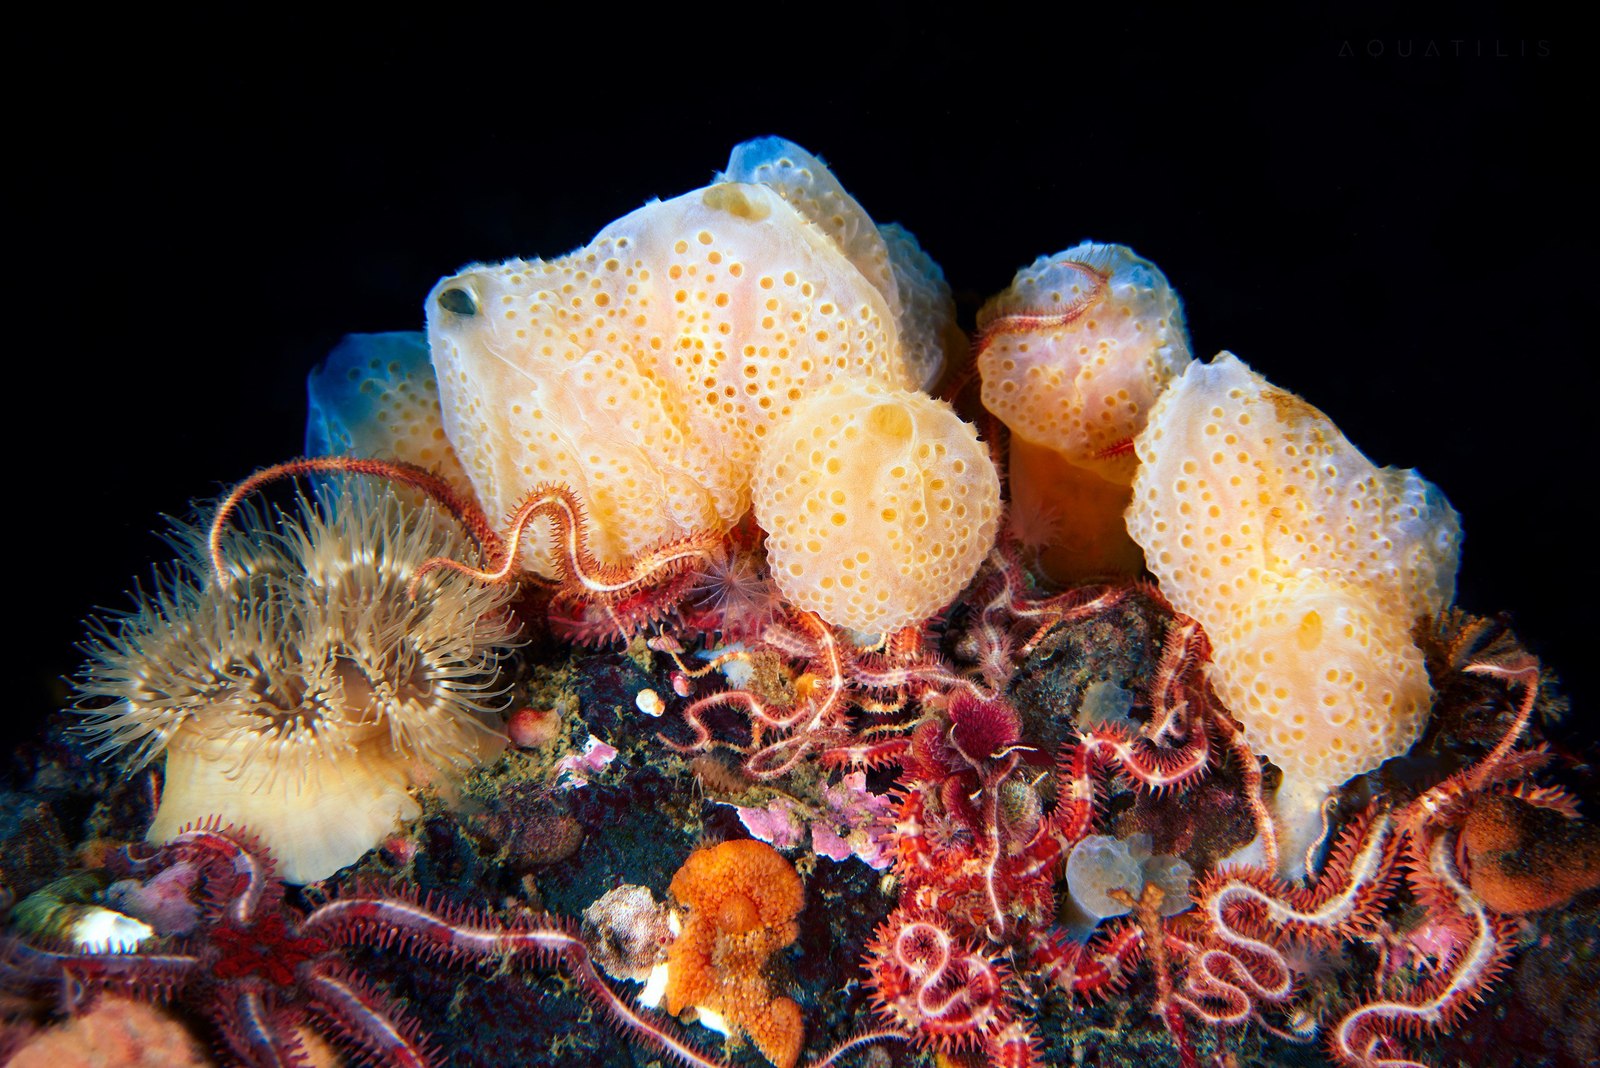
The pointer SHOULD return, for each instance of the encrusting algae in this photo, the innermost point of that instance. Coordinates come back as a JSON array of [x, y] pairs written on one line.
[[854, 645]]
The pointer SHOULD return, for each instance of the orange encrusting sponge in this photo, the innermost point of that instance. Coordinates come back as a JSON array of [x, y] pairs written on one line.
[[1526, 858], [742, 897]]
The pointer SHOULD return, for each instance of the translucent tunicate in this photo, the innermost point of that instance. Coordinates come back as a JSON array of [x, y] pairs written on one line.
[[1100, 864], [1106, 703]]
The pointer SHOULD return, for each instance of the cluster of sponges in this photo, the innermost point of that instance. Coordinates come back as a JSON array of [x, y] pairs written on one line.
[[645, 370], [1307, 567], [879, 505], [1073, 355], [742, 899], [648, 370], [305, 693]]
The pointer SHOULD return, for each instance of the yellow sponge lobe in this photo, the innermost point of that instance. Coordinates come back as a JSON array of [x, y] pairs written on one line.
[[1306, 565], [879, 504], [887, 256], [645, 369], [1074, 354]]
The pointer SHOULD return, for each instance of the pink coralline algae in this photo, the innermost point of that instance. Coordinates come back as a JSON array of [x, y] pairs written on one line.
[[852, 822], [779, 824], [575, 768]]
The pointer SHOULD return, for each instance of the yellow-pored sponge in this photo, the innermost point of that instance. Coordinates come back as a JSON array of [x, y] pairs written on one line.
[[1326, 684], [887, 256], [1074, 354], [879, 504], [644, 370], [1305, 564], [1242, 486]]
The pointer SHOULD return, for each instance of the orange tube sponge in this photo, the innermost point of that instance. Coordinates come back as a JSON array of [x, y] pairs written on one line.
[[1073, 356], [1307, 567], [879, 504], [742, 898]]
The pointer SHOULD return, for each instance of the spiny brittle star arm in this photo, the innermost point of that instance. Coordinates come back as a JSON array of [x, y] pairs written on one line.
[[578, 568]]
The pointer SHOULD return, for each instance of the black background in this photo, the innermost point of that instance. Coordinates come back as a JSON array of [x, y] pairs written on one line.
[[1384, 213]]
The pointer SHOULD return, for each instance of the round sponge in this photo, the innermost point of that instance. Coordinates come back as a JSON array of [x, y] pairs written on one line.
[[1076, 352], [1073, 355], [879, 504], [1323, 680]]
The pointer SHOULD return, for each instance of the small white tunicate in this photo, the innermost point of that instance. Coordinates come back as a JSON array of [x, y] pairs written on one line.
[[1105, 702], [650, 703], [1100, 864], [100, 930]]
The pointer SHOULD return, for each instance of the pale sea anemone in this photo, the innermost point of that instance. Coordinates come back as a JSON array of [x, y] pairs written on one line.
[[307, 698]]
